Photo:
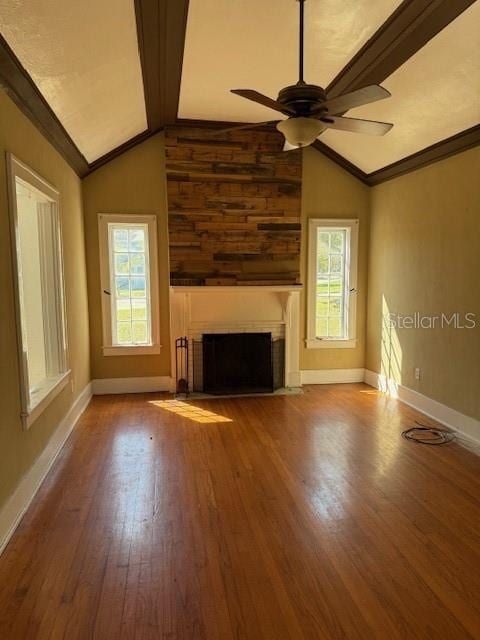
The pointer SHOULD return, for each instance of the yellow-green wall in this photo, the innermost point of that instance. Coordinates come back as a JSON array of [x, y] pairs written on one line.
[[419, 251], [20, 448], [328, 191], [424, 257], [132, 183]]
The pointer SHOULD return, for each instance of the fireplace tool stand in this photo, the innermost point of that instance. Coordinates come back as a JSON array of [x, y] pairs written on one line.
[[181, 366]]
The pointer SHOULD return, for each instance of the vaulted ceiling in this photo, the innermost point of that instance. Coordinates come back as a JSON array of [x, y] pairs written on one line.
[[83, 57], [98, 76], [253, 44]]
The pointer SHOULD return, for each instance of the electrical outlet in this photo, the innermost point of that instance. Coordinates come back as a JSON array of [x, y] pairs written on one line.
[[417, 373], [72, 384]]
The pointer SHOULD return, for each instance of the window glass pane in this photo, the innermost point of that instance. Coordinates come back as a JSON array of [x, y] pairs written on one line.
[[131, 289], [122, 287], [37, 250], [331, 288], [124, 332], [336, 245], [335, 327], [124, 311], [138, 287], [336, 264], [322, 263], [137, 240], [139, 332], [120, 239], [323, 242], [322, 286], [336, 286], [322, 326], [322, 306], [32, 296], [137, 263], [335, 307], [139, 309], [121, 263]]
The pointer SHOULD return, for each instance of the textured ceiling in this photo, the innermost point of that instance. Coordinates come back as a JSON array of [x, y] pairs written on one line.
[[250, 44], [435, 95], [83, 57]]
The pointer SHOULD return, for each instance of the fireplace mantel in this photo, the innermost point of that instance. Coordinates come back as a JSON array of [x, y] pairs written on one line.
[[279, 288]]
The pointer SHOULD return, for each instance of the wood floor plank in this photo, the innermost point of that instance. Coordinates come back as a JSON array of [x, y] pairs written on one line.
[[269, 518]]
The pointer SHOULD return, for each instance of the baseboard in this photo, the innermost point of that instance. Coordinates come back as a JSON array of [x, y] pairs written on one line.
[[332, 376], [104, 386], [466, 427], [20, 500]]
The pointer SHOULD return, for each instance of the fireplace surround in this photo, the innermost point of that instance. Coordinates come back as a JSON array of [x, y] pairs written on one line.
[[273, 310]]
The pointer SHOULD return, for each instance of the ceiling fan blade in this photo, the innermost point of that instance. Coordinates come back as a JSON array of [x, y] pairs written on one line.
[[252, 125], [369, 127], [289, 147], [357, 98], [255, 96]]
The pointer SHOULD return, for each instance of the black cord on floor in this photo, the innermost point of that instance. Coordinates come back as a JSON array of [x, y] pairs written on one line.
[[422, 434]]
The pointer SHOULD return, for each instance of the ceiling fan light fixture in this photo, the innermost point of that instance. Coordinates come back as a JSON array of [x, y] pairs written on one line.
[[300, 132]]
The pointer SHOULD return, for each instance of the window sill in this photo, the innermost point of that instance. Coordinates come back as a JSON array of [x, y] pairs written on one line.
[[45, 397], [316, 343], [153, 349]]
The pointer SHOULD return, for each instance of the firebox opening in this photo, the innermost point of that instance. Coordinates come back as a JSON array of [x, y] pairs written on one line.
[[236, 363]]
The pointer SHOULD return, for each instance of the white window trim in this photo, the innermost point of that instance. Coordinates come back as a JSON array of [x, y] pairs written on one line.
[[31, 410], [312, 342], [108, 349]]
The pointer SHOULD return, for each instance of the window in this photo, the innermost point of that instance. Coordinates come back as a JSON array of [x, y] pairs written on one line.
[[39, 292], [332, 282], [129, 282]]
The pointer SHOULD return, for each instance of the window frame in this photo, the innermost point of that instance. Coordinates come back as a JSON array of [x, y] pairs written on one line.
[[108, 348], [31, 408], [352, 226]]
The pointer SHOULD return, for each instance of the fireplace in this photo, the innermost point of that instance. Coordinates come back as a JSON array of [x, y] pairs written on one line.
[[235, 363], [269, 311]]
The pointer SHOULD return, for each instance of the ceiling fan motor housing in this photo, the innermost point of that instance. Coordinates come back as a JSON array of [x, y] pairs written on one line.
[[302, 97]]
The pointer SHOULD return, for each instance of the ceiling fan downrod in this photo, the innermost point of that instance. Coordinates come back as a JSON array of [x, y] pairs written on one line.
[[301, 41], [310, 111]]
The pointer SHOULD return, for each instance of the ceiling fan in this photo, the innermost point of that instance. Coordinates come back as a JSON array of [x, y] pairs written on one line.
[[310, 111]]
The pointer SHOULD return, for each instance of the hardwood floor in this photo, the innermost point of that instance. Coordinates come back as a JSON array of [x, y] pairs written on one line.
[[300, 517]]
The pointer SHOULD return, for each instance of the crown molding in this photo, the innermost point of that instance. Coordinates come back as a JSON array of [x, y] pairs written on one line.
[[118, 151], [341, 161], [446, 148], [441, 150]]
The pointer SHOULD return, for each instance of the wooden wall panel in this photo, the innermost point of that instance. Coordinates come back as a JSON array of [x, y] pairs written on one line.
[[234, 207]]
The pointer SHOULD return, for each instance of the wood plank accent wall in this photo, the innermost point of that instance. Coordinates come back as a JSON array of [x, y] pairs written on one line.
[[233, 207]]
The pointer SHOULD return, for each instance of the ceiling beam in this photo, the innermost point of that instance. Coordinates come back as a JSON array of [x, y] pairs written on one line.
[[161, 27], [22, 90], [406, 31], [439, 151]]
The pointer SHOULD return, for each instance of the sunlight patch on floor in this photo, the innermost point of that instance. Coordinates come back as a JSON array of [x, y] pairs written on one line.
[[189, 411]]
